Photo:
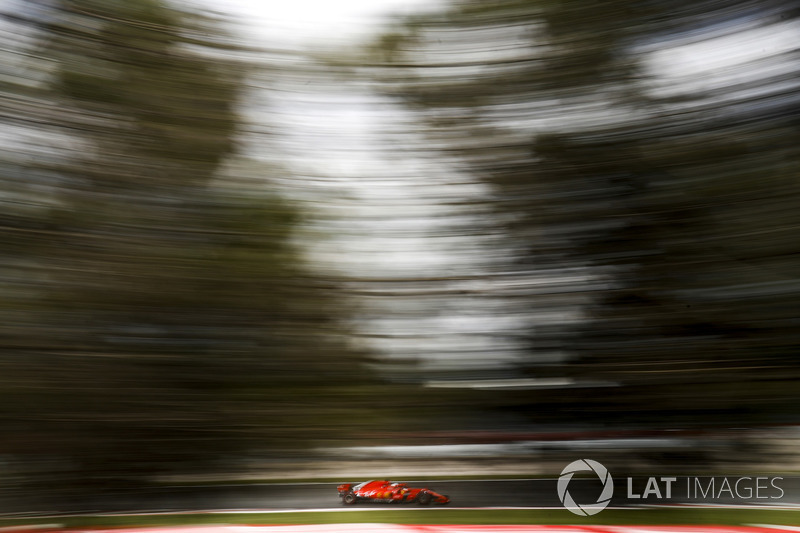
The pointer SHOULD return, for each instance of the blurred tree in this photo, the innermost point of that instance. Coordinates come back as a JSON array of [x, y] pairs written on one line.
[[159, 318], [676, 207]]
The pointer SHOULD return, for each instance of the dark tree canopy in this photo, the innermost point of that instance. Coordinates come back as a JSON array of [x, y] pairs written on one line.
[[158, 317]]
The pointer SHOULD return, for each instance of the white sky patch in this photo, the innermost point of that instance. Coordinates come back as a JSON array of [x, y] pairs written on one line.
[[303, 22], [720, 62]]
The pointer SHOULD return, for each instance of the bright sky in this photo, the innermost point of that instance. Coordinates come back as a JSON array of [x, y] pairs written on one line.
[[309, 21], [388, 208]]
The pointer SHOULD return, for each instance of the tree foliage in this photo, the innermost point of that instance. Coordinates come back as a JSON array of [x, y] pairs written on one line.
[[673, 199], [158, 317]]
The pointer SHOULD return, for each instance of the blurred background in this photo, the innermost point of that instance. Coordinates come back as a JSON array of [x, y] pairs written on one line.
[[251, 240]]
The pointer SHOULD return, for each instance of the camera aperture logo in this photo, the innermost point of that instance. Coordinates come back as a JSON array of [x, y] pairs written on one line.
[[586, 509]]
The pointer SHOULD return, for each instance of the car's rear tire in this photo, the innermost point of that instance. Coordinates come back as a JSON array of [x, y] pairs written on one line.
[[424, 498], [349, 498]]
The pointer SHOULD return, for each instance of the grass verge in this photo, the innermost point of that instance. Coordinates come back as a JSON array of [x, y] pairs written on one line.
[[431, 516]]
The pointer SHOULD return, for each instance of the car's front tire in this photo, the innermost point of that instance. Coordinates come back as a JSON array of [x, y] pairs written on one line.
[[349, 498], [424, 498]]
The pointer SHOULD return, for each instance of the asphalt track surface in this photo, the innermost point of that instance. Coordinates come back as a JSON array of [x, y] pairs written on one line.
[[523, 493], [470, 493]]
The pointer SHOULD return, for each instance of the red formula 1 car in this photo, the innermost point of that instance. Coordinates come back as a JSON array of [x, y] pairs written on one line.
[[388, 492]]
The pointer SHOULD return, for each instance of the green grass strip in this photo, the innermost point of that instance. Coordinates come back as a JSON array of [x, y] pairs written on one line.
[[656, 516]]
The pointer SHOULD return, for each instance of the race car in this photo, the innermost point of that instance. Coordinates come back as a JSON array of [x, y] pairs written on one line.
[[388, 492]]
